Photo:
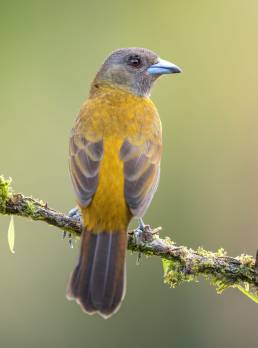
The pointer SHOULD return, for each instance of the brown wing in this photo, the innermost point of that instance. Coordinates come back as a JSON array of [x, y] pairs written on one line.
[[141, 173], [85, 157]]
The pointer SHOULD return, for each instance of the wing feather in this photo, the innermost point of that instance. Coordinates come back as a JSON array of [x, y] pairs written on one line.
[[85, 157], [141, 174]]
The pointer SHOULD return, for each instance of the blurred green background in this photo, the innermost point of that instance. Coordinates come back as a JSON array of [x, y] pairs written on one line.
[[208, 195]]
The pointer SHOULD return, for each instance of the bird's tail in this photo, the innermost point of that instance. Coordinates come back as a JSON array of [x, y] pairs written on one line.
[[98, 281]]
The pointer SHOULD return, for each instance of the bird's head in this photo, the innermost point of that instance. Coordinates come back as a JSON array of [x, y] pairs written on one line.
[[134, 70]]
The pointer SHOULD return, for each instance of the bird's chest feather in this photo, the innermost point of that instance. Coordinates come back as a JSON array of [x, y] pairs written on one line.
[[113, 119], [119, 114]]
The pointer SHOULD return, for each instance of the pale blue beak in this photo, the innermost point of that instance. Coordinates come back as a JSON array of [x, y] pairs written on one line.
[[163, 67]]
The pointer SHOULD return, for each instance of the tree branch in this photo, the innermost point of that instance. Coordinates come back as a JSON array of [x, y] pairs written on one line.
[[179, 262]]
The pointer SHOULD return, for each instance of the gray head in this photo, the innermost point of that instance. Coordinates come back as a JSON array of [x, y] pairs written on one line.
[[134, 70]]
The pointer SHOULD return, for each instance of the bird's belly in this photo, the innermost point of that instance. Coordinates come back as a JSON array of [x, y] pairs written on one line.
[[108, 209]]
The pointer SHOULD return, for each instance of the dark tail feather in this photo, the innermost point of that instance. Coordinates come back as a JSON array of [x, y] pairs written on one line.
[[98, 281]]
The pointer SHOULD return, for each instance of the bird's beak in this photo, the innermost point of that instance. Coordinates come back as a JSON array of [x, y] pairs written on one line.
[[163, 67]]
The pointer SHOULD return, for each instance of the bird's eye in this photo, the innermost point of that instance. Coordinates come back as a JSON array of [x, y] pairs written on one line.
[[134, 61]]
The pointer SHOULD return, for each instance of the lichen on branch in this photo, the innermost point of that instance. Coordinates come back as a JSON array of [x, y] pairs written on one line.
[[180, 264]]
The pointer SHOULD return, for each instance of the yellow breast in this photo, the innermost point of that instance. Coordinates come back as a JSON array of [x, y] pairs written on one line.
[[108, 210], [113, 116]]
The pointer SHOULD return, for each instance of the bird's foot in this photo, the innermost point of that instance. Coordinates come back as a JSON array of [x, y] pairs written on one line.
[[74, 213], [143, 233]]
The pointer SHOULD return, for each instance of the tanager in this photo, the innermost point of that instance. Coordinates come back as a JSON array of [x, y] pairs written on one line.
[[114, 160]]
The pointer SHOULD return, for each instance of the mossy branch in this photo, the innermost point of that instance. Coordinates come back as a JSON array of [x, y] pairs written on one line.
[[179, 262]]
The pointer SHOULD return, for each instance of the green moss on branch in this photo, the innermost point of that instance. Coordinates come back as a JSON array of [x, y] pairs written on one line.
[[180, 264], [5, 191]]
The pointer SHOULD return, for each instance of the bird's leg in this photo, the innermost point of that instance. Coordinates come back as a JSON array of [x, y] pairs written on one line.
[[74, 213], [143, 233], [141, 224], [140, 234]]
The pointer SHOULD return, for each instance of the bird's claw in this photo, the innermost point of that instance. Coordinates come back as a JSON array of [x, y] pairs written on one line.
[[75, 214], [70, 238], [143, 233], [138, 260]]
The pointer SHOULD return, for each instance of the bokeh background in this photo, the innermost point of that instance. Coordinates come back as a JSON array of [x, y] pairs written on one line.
[[208, 193]]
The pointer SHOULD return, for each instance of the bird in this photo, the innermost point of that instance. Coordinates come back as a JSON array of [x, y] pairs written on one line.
[[114, 162]]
